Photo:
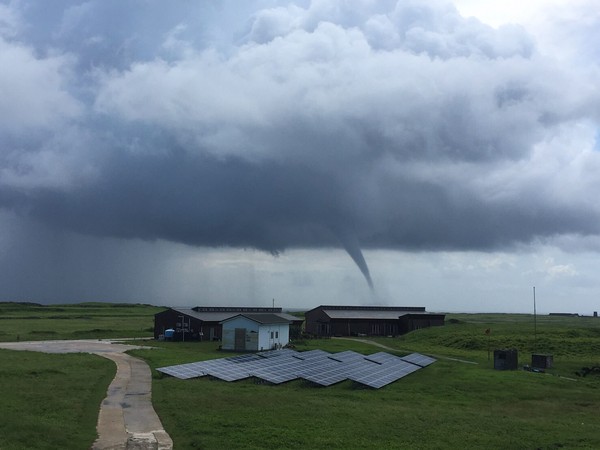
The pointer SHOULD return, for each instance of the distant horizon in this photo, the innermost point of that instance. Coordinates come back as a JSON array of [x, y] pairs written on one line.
[[294, 309]]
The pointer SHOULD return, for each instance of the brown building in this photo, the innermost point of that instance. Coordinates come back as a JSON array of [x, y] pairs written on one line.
[[368, 320], [204, 322]]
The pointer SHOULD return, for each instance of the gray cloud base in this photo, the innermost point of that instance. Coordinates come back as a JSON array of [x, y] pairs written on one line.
[[315, 124]]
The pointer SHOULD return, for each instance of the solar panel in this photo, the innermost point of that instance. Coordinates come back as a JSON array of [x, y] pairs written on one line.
[[285, 370], [179, 373], [347, 356], [381, 357], [316, 366], [243, 358], [384, 374], [344, 370], [312, 367], [277, 353], [184, 371], [231, 370], [228, 373], [244, 366], [418, 359], [317, 353]]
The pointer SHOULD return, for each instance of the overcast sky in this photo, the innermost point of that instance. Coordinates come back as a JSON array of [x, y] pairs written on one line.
[[239, 153]]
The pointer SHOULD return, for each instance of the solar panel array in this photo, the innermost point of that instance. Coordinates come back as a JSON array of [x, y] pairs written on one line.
[[315, 366], [418, 359]]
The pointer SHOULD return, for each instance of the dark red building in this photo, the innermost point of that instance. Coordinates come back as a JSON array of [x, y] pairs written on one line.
[[204, 322], [369, 320]]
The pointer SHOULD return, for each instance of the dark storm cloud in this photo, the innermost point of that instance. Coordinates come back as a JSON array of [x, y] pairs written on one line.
[[317, 124]]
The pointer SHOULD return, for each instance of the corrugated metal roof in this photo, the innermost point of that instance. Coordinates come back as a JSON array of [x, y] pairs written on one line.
[[262, 318], [219, 316], [206, 316], [291, 317], [237, 309], [367, 314], [371, 308]]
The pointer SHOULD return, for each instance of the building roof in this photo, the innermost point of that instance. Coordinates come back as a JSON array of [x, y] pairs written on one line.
[[368, 315], [291, 318], [370, 312], [262, 318], [205, 316], [238, 309], [221, 315]]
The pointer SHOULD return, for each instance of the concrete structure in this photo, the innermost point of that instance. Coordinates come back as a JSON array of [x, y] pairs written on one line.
[[506, 359], [369, 320], [542, 361], [255, 332], [204, 322]]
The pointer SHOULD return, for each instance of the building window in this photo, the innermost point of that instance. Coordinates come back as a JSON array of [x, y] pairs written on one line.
[[271, 335], [277, 335]]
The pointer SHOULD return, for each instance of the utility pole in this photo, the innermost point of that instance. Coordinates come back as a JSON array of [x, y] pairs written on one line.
[[534, 323]]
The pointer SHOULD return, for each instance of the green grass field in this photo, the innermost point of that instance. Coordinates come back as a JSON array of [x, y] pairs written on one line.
[[449, 404], [51, 401], [33, 322]]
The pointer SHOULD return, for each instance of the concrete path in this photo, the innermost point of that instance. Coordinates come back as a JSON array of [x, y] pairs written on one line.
[[127, 419]]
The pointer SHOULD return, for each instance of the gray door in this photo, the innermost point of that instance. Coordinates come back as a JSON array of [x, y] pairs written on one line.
[[240, 340]]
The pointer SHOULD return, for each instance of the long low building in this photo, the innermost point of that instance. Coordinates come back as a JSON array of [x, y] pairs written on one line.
[[204, 322], [328, 320]]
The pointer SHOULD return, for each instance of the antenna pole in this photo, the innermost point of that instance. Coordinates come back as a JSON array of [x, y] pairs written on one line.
[[534, 323]]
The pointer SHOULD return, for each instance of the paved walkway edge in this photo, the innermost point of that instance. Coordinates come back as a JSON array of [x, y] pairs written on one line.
[[127, 419]]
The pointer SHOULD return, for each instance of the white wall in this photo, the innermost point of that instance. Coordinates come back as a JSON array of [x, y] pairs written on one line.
[[280, 333], [258, 337], [228, 338]]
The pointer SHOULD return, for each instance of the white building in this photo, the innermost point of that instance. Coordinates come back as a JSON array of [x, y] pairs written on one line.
[[255, 332]]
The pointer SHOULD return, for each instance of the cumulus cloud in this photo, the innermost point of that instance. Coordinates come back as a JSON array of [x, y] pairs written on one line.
[[373, 124], [34, 97]]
